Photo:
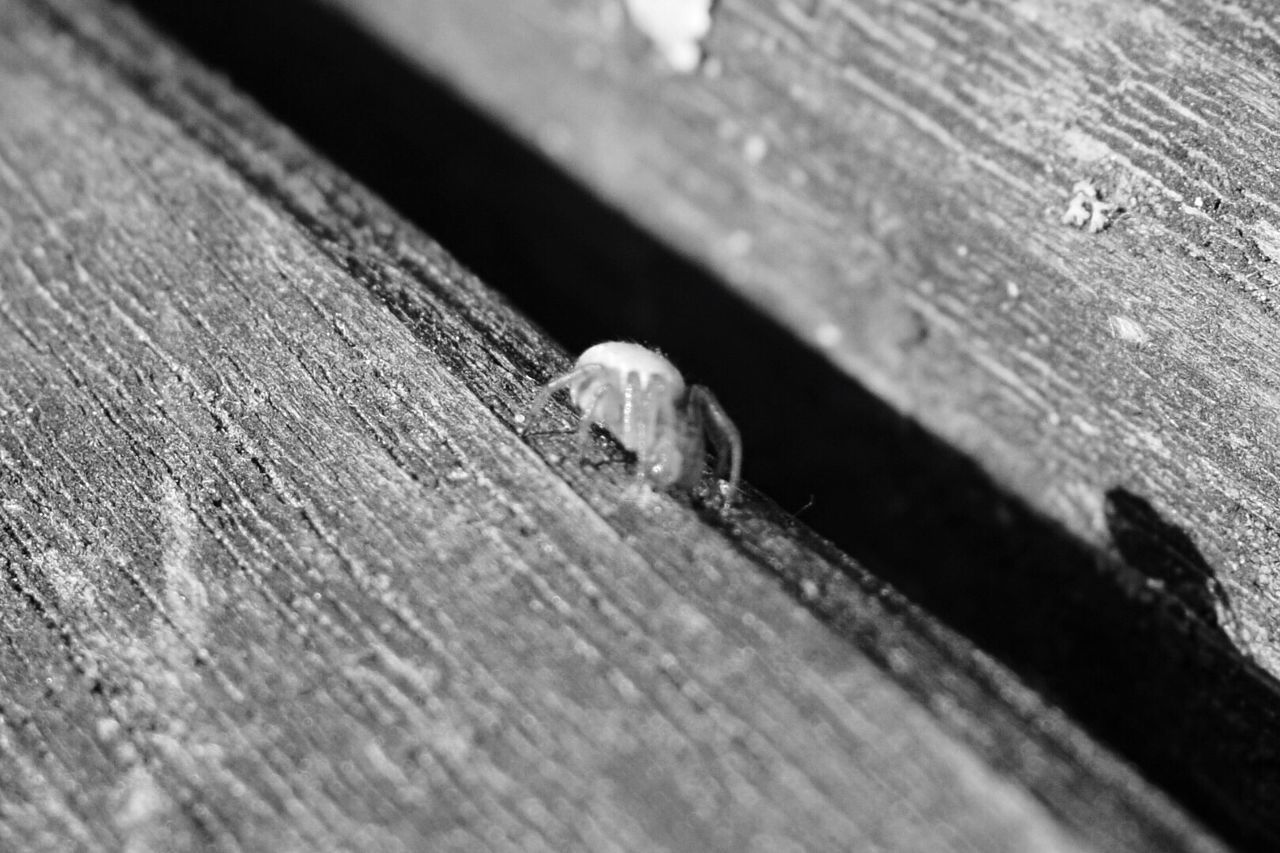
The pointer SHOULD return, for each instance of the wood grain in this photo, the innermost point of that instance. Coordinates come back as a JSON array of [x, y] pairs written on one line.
[[280, 575], [888, 180]]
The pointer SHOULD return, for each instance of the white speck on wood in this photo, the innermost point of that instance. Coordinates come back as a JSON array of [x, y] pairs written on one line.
[[107, 729], [1082, 146], [676, 28], [1087, 209], [755, 149], [144, 808], [73, 579], [1128, 330], [1267, 238], [1085, 427], [827, 335], [809, 590], [185, 596]]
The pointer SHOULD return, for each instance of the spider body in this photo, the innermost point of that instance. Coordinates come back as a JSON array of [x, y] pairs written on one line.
[[641, 398]]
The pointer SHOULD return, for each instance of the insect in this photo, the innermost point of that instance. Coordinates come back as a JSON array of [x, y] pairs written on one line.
[[641, 398]]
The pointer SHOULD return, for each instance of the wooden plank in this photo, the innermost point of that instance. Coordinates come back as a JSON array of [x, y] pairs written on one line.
[[888, 181], [917, 210], [904, 215], [280, 575]]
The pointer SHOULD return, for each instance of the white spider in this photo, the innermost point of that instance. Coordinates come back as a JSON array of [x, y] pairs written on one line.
[[641, 398]]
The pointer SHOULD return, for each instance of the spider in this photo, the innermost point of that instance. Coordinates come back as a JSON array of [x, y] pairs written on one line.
[[641, 398]]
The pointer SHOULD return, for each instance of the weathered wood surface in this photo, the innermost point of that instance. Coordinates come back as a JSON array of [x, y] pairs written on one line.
[[888, 180], [279, 574], [899, 172]]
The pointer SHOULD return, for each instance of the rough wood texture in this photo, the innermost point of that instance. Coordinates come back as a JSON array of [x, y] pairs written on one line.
[[888, 180], [279, 575]]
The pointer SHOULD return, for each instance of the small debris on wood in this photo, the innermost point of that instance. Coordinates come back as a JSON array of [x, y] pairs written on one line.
[[1267, 238], [1087, 209], [809, 590], [755, 149], [676, 28], [1128, 330], [827, 335]]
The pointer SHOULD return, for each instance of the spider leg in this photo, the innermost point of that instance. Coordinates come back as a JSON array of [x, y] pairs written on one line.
[[647, 428], [724, 434], [630, 391], [592, 395], [567, 380]]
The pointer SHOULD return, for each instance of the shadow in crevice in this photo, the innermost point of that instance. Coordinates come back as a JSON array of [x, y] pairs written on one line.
[[1199, 720], [1167, 557]]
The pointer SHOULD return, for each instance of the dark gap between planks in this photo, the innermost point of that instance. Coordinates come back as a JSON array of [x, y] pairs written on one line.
[[1131, 664]]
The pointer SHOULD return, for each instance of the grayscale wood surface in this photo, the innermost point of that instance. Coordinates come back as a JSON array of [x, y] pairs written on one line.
[[888, 180], [279, 574]]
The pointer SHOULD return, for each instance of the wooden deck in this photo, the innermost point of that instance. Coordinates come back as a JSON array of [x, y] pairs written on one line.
[[887, 183], [279, 573]]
